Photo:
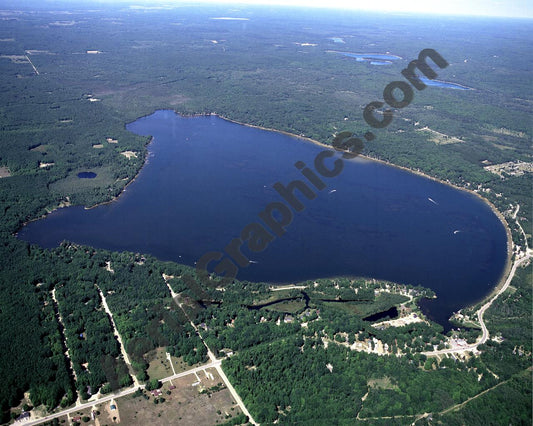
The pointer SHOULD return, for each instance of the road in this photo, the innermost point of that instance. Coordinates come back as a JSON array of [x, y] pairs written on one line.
[[287, 287], [514, 216], [117, 334], [125, 392], [31, 63], [481, 312], [63, 337], [213, 358], [215, 363]]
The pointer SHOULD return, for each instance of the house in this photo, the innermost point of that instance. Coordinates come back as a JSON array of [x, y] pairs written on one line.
[[25, 415], [226, 351], [172, 387], [113, 407]]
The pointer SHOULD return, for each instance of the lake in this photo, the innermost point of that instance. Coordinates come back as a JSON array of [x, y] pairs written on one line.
[[206, 178], [387, 59], [443, 84], [373, 58], [87, 175]]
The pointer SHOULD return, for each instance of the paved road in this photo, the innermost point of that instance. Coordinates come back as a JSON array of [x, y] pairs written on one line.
[[481, 312], [528, 254]]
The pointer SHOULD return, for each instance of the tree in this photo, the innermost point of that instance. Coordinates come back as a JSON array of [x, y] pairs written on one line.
[[153, 384]]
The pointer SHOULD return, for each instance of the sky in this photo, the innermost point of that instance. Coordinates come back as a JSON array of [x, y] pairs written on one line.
[[501, 8]]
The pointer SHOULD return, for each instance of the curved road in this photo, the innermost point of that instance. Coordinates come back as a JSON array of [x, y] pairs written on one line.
[[481, 312], [528, 254]]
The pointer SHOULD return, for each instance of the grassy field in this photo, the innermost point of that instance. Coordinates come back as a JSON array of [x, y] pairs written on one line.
[[159, 366], [205, 403], [383, 302], [186, 405], [291, 306], [104, 177]]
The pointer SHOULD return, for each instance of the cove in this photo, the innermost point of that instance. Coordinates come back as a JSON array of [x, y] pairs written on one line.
[[206, 178]]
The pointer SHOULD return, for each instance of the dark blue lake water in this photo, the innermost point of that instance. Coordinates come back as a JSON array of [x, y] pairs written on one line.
[[207, 178]]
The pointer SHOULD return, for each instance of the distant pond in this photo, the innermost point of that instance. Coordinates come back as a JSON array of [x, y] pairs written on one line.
[[373, 58], [388, 59], [87, 175], [443, 84], [206, 178]]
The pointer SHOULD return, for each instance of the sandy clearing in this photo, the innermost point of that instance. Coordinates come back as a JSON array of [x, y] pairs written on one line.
[[129, 154], [440, 138], [39, 52], [16, 59], [113, 413], [108, 267], [4, 172], [399, 322]]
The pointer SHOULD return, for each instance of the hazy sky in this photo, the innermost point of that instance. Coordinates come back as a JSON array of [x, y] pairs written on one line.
[[503, 8]]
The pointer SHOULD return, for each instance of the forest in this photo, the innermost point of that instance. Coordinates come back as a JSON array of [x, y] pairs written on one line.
[[285, 375], [65, 112]]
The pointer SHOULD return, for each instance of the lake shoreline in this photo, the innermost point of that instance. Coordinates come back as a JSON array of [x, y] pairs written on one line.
[[508, 263], [500, 216], [103, 203], [492, 207]]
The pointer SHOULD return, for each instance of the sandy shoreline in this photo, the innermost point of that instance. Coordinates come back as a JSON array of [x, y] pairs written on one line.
[[508, 265]]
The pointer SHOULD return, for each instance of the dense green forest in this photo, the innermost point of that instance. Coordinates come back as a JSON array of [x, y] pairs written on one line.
[[70, 83], [283, 372]]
